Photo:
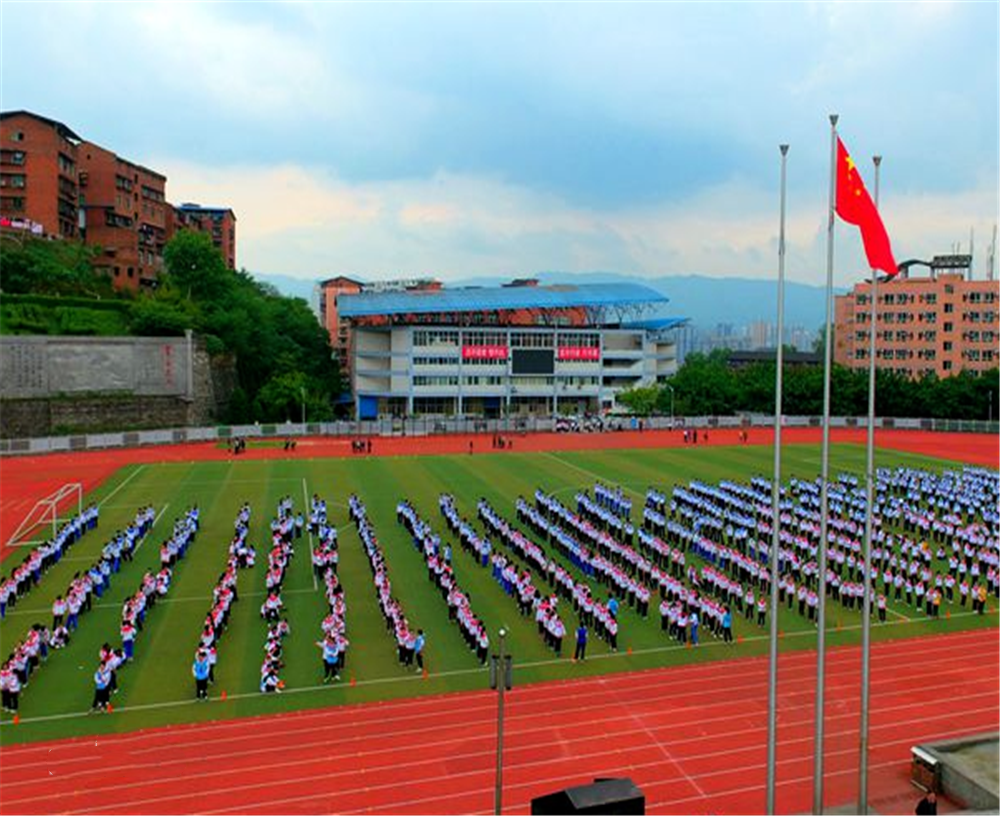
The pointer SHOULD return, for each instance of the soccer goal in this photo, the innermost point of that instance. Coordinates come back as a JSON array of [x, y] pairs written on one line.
[[46, 511]]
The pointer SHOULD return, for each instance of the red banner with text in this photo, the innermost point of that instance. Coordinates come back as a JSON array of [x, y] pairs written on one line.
[[578, 353], [484, 352]]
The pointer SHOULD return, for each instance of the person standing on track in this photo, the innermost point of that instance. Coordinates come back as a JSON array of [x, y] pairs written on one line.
[[418, 649]]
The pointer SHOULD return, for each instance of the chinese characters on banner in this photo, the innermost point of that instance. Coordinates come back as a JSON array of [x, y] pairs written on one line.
[[578, 353], [484, 352]]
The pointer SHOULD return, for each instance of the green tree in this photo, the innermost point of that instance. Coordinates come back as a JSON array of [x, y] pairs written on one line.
[[32, 265], [640, 401]]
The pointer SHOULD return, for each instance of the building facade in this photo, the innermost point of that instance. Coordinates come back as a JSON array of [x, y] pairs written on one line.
[[217, 222], [941, 323], [123, 211], [54, 184], [339, 329], [504, 351], [38, 175]]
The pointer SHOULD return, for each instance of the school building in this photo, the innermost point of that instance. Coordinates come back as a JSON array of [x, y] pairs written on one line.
[[940, 322], [503, 351]]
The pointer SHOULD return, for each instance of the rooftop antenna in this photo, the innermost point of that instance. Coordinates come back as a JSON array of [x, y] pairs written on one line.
[[972, 252], [991, 258]]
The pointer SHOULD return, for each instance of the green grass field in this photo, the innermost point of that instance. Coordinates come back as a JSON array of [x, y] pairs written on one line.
[[157, 688]]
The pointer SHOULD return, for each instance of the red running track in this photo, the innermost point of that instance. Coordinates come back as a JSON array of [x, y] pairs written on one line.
[[26, 479], [693, 738]]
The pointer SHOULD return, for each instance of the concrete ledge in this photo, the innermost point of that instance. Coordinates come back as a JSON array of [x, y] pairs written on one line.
[[968, 769]]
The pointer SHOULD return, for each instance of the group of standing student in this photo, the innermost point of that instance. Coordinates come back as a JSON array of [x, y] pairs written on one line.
[[325, 559], [439, 570], [32, 650], [151, 588], [39, 559], [155, 586], [285, 528], [241, 555], [392, 610]]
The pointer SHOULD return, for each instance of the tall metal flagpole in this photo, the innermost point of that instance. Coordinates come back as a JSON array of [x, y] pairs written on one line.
[[866, 613], [824, 478], [772, 685]]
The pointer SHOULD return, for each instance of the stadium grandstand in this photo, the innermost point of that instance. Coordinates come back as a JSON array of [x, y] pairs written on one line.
[[506, 350]]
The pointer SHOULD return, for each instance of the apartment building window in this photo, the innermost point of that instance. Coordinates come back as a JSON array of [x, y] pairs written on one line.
[[66, 165], [532, 339], [441, 382], [949, 327], [949, 308], [949, 289], [989, 355], [431, 337], [484, 338], [14, 181], [435, 361], [930, 297], [12, 204], [17, 136], [12, 157], [947, 365], [948, 345]]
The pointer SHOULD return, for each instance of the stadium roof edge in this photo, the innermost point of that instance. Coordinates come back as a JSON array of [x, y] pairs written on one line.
[[563, 296]]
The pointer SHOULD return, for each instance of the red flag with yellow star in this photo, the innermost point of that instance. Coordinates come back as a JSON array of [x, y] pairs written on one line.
[[855, 206]]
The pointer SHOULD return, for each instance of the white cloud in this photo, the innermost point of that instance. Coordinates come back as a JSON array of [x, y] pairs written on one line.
[[303, 222]]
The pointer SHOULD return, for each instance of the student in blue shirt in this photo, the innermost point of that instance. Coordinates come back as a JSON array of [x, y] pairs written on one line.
[[200, 669], [727, 626], [694, 628], [581, 643], [418, 649], [102, 688], [613, 607], [331, 657]]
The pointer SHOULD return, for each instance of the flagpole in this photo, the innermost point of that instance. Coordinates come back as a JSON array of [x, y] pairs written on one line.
[[823, 493], [772, 685], [868, 595]]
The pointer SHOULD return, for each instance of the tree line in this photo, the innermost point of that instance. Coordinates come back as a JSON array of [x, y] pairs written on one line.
[[706, 385], [282, 353]]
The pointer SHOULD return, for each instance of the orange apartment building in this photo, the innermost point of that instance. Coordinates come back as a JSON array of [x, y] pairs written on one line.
[[942, 324], [123, 211], [217, 222], [54, 184], [38, 175]]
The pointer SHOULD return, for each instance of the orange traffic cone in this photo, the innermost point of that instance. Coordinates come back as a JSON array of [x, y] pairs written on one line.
[[739, 638], [110, 708], [17, 719], [425, 673], [223, 696], [947, 614], [629, 650]]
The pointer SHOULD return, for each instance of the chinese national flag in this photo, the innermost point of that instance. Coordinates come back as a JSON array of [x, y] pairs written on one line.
[[855, 206]]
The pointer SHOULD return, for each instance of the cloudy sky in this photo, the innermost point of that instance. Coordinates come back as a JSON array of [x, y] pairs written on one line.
[[467, 139]]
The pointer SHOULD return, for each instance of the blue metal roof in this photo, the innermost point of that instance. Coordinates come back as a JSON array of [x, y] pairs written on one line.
[[656, 323], [493, 298]]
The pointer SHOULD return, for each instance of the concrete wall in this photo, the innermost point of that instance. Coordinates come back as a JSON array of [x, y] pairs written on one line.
[[54, 385], [32, 367]]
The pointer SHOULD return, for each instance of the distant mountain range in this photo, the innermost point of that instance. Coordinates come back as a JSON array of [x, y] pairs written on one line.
[[705, 301]]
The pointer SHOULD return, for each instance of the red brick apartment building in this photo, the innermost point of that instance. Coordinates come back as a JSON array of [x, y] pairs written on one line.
[[123, 207], [55, 184], [941, 324], [217, 222], [38, 175]]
